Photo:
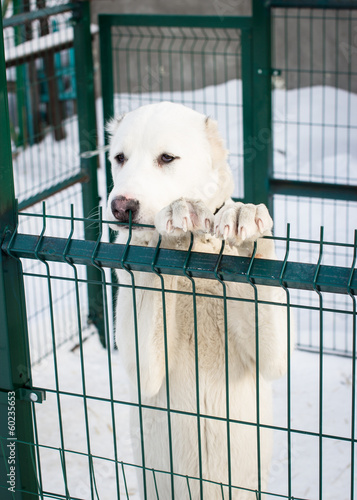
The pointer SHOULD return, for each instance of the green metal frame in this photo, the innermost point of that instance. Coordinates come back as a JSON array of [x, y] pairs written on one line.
[[15, 366], [299, 276], [88, 141], [289, 275]]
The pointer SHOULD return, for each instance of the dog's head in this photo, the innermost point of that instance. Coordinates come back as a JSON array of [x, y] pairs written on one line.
[[162, 152]]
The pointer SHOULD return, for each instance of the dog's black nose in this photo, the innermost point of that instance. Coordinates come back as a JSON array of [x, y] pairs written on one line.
[[121, 207]]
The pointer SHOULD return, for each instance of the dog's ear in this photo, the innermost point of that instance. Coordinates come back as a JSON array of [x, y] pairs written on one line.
[[218, 151], [112, 125]]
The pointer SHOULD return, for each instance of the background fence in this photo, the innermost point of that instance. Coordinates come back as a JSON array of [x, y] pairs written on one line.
[[52, 123], [78, 443]]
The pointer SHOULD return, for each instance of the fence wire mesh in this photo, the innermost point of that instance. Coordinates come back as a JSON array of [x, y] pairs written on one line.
[[82, 445], [189, 65], [44, 91], [314, 126]]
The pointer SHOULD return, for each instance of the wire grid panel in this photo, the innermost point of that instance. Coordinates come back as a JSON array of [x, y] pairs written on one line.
[[88, 439], [47, 106], [187, 65], [314, 124], [36, 289], [42, 98]]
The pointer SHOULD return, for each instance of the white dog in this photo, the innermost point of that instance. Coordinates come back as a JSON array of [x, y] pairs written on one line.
[[170, 170]]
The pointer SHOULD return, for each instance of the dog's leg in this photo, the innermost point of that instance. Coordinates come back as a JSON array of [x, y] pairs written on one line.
[[241, 225], [140, 330]]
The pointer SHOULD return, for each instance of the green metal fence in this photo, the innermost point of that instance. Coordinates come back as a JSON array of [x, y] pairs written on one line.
[[72, 435], [52, 126]]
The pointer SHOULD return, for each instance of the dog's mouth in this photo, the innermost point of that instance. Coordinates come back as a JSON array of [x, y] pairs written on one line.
[[133, 224]]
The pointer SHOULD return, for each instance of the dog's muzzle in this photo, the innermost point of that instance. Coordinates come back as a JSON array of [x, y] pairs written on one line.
[[121, 207]]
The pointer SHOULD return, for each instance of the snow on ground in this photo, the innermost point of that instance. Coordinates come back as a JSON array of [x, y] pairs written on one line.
[[311, 149], [38, 45]]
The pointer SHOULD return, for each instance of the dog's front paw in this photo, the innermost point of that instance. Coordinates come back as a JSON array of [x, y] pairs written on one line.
[[239, 222], [184, 215]]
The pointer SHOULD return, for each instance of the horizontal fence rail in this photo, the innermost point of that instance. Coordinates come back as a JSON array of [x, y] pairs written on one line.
[[293, 275], [20, 19]]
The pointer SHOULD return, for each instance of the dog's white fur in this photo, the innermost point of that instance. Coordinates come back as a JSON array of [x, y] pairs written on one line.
[[181, 197]]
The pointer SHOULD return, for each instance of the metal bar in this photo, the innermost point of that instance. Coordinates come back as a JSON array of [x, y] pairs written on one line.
[[321, 365], [313, 4], [16, 61], [20, 19], [261, 140], [40, 52], [107, 82], [46, 193], [226, 362], [105, 40], [314, 189], [167, 369], [81, 352], [15, 365], [248, 128], [87, 130], [251, 281], [107, 342], [182, 21], [62, 448], [55, 112], [300, 276], [197, 372], [127, 268]]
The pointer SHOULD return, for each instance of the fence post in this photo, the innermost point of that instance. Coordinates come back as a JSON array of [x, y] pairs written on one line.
[[258, 147], [88, 141], [17, 454]]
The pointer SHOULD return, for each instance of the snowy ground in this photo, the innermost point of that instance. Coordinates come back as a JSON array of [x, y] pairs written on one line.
[[332, 157], [304, 410]]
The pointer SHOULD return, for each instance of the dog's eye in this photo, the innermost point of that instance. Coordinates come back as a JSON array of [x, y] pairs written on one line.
[[120, 158], [166, 158]]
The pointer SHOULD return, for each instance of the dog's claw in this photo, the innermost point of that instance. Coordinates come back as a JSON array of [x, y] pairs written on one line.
[[260, 225], [208, 225], [184, 224], [169, 226], [226, 232], [242, 233]]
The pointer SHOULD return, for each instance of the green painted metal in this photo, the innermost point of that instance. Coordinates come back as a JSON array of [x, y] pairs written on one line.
[[88, 141], [20, 19], [297, 275], [313, 4], [314, 189], [260, 167], [181, 21], [320, 278], [81, 177], [107, 82], [248, 118], [16, 453]]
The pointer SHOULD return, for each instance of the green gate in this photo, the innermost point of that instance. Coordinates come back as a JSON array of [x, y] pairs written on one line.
[[211, 50]]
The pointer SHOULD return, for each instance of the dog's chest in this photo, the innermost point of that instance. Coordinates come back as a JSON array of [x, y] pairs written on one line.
[[201, 321]]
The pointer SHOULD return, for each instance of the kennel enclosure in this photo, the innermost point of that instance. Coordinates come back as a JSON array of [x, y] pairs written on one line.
[[225, 68]]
